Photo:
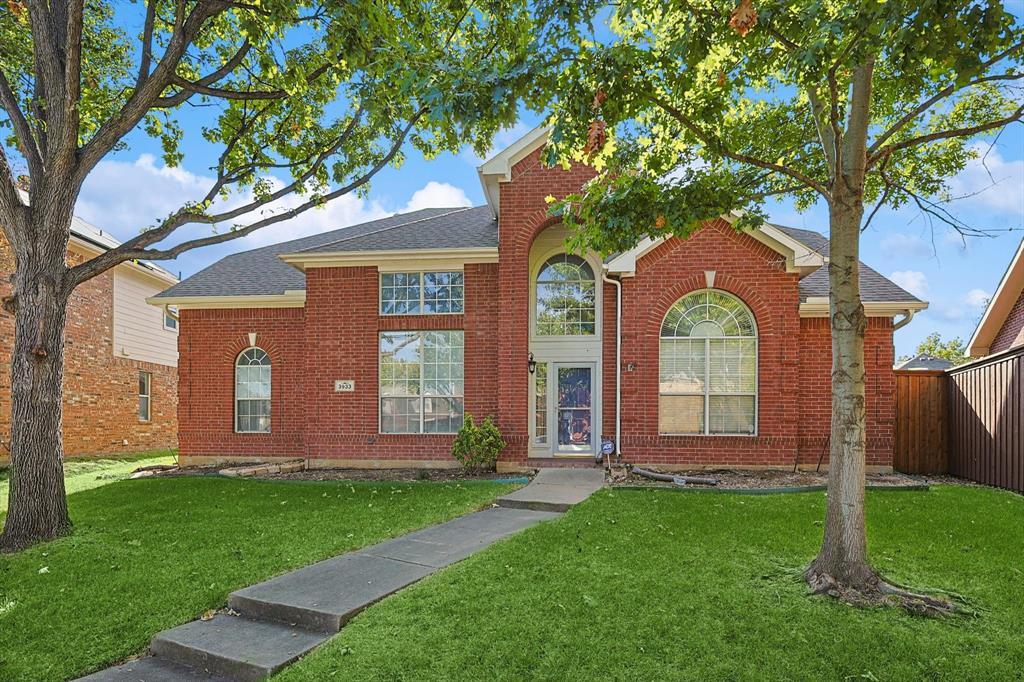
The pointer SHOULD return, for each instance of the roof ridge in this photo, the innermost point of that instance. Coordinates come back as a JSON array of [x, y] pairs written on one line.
[[385, 229]]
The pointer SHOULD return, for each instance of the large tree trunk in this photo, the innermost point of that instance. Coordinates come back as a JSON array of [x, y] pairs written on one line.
[[843, 556], [37, 508]]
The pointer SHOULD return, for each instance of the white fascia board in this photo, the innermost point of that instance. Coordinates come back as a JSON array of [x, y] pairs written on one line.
[[498, 168], [292, 298], [392, 259], [625, 263], [817, 306], [999, 306]]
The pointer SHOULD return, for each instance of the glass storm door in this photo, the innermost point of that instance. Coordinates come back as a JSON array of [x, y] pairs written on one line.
[[574, 414]]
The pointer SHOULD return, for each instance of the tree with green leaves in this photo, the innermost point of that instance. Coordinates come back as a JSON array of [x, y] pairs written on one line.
[[954, 350], [305, 99], [694, 109]]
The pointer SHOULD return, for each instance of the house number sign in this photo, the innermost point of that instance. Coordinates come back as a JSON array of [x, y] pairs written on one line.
[[344, 385]]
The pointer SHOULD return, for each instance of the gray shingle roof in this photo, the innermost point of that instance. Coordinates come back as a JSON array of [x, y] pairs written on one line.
[[261, 272], [462, 229], [924, 361], [874, 287]]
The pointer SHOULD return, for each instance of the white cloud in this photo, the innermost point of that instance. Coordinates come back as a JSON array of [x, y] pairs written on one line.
[[903, 245], [914, 281], [437, 195], [977, 298], [990, 182]]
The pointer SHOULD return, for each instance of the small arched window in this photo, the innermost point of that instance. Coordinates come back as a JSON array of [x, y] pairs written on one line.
[[252, 391], [708, 372], [566, 297]]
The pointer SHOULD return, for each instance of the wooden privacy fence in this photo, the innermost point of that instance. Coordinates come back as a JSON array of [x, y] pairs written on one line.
[[922, 423], [986, 408]]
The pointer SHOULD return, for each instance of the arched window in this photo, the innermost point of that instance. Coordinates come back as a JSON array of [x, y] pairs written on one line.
[[708, 374], [252, 391], [566, 297]]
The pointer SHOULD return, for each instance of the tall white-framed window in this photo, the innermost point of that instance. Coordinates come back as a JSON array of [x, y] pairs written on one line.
[[422, 293], [708, 366], [171, 318], [252, 391], [566, 297], [421, 381], [145, 396]]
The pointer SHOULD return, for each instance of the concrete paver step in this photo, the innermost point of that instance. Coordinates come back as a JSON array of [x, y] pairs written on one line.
[[150, 669], [555, 490], [235, 647], [325, 595]]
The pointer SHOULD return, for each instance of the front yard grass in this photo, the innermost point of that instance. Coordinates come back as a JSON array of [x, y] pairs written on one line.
[[84, 473], [652, 585], [151, 553]]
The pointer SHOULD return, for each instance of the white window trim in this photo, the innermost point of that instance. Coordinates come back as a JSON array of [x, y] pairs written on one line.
[[421, 396], [707, 378], [234, 392], [421, 273], [148, 395], [596, 268]]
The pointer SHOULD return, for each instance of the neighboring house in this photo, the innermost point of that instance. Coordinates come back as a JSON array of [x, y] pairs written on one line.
[[925, 362], [1002, 326], [365, 346], [120, 376]]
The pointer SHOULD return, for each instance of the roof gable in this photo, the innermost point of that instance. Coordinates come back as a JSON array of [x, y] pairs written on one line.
[[999, 306]]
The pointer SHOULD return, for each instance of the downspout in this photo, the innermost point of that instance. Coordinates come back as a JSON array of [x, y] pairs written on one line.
[[618, 362]]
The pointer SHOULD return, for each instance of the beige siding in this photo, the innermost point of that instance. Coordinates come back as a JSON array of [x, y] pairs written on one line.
[[139, 332]]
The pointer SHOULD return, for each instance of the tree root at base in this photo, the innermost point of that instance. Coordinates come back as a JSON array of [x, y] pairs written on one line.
[[873, 591]]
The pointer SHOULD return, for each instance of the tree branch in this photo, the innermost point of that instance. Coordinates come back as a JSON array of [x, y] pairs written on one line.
[[969, 131], [134, 249], [141, 100], [146, 58], [946, 92], [224, 70], [22, 129], [717, 146]]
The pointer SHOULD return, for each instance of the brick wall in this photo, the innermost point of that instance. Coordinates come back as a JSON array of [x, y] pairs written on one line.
[[208, 346], [336, 337], [753, 273], [816, 386], [340, 326], [1011, 334], [523, 217], [100, 391]]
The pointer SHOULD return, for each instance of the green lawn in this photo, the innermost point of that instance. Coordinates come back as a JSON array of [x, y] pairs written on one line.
[[151, 553], [86, 473], [638, 585]]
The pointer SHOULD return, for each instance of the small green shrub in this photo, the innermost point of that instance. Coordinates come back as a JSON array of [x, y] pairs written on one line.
[[477, 447]]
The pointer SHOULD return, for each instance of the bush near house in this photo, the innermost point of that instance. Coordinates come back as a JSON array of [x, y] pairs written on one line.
[[477, 447]]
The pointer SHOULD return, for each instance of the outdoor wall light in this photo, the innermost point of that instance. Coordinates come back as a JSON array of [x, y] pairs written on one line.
[[532, 364]]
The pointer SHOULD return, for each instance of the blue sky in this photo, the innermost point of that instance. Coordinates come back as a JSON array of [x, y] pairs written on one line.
[[132, 189]]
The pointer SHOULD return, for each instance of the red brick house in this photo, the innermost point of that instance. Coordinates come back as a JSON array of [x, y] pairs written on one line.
[[1002, 325], [120, 375], [364, 347]]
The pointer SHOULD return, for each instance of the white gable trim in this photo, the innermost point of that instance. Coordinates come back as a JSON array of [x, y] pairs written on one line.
[[498, 168], [999, 306], [799, 257]]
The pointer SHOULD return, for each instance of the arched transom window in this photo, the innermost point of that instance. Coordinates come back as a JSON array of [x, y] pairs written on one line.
[[708, 373], [252, 391], [566, 297]]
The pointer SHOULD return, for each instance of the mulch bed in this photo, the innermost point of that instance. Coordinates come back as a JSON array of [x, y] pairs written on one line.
[[402, 475], [748, 480]]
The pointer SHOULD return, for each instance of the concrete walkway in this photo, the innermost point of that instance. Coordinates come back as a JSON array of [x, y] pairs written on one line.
[[272, 624]]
